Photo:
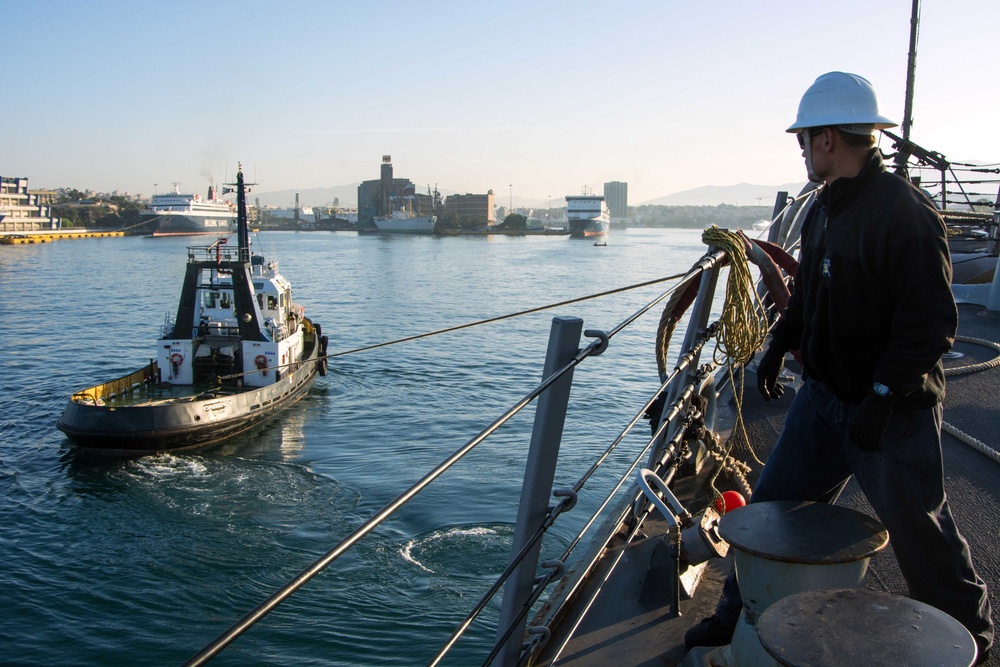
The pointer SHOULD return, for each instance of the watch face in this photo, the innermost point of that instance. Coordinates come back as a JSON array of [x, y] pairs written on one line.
[[881, 389]]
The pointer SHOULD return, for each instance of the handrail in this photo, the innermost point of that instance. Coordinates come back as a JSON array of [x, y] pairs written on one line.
[[122, 385], [318, 566], [670, 453], [594, 348], [555, 511]]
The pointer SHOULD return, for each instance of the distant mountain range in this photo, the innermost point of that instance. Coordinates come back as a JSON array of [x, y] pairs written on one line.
[[743, 194]]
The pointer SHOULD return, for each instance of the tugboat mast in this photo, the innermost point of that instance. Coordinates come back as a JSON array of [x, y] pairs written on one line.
[[242, 228]]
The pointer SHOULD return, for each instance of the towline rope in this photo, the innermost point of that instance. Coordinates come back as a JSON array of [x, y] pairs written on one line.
[[951, 429], [508, 316], [461, 326]]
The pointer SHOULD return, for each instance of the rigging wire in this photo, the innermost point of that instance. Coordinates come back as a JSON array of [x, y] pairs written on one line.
[[488, 320], [507, 316]]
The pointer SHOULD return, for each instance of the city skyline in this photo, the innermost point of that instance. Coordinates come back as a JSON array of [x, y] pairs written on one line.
[[535, 99]]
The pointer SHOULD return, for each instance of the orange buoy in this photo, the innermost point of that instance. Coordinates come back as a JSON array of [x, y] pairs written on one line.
[[729, 501]]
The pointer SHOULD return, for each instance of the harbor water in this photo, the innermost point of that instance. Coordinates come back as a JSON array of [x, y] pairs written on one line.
[[145, 561]]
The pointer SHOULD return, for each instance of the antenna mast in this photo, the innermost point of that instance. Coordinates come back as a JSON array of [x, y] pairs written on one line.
[[903, 152]]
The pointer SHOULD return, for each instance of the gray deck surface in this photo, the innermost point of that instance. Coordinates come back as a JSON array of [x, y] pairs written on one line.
[[622, 630]]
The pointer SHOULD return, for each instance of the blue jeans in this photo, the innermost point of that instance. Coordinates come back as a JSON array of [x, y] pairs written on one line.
[[813, 460]]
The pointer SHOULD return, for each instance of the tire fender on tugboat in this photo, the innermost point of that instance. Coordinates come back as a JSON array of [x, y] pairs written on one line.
[[321, 363]]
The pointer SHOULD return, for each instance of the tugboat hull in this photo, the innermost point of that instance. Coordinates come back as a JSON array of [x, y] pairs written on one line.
[[182, 423]]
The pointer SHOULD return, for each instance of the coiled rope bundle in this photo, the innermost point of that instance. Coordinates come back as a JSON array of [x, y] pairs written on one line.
[[742, 330], [742, 325]]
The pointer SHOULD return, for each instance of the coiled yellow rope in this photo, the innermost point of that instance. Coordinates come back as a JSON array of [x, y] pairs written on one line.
[[742, 326]]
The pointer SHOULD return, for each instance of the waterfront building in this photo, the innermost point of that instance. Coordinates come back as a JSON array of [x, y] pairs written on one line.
[[23, 211], [480, 207], [376, 197], [616, 195], [303, 214], [421, 204]]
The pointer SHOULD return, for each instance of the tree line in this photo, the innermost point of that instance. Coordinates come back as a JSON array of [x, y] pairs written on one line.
[[75, 209]]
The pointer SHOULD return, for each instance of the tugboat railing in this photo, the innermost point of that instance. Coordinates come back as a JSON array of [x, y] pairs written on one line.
[[534, 516], [120, 386]]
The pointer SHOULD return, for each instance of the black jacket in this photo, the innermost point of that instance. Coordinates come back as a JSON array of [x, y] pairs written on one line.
[[872, 299]]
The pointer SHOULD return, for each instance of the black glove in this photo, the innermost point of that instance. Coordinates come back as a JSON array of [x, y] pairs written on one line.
[[768, 371], [867, 429]]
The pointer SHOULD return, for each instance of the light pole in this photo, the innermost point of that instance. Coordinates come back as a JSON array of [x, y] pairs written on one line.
[[511, 202]]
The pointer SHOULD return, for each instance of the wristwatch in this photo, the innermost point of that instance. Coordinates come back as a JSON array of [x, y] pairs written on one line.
[[881, 390]]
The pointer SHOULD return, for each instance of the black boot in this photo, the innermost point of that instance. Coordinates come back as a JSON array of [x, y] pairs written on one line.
[[712, 631]]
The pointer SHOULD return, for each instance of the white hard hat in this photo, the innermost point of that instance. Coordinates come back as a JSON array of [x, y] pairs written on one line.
[[841, 99]]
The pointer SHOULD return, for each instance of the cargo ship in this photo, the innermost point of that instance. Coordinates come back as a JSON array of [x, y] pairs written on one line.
[[405, 222]]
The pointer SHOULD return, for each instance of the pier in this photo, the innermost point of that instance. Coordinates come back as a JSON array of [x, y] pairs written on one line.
[[49, 237]]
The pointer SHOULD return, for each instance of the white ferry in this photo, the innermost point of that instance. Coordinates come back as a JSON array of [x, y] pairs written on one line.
[[176, 214], [588, 215]]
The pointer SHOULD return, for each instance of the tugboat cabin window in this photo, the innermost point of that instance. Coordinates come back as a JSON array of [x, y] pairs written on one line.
[[272, 302], [216, 299]]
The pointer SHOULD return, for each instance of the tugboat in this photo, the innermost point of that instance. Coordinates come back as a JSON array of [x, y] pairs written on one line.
[[238, 351]]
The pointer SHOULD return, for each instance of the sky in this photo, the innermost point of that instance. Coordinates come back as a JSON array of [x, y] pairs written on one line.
[[531, 99]]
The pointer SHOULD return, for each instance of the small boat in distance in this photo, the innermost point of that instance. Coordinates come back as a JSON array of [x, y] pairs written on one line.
[[588, 215], [238, 351], [176, 214]]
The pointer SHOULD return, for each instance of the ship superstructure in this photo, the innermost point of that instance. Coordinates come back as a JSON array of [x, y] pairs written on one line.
[[588, 215]]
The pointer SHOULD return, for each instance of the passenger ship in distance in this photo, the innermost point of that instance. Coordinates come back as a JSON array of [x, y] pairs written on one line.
[[588, 215], [176, 214]]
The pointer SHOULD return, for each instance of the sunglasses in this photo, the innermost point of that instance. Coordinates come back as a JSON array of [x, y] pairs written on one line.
[[802, 138]]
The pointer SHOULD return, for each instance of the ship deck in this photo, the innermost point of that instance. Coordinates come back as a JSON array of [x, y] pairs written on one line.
[[620, 629]]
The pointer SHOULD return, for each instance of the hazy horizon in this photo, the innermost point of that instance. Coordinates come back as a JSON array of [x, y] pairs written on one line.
[[533, 101]]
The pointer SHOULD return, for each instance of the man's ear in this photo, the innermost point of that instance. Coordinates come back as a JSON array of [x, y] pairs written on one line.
[[827, 141]]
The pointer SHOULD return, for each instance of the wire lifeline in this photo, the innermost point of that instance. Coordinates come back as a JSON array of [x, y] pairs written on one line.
[[468, 325], [251, 618], [508, 316]]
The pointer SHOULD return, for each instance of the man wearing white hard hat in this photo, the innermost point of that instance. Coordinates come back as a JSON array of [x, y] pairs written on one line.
[[871, 313]]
